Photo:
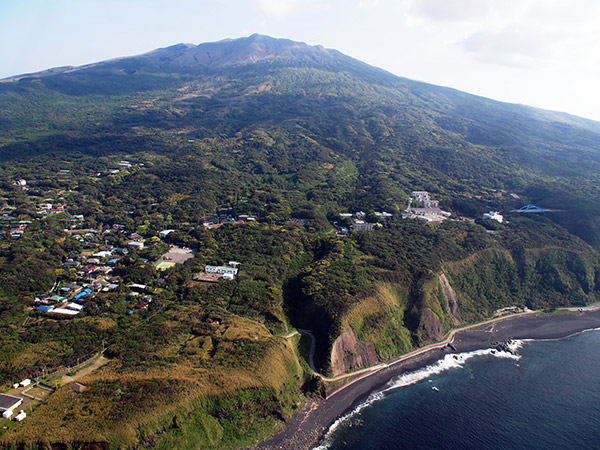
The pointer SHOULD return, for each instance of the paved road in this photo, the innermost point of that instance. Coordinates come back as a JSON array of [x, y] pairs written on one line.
[[311, 352]]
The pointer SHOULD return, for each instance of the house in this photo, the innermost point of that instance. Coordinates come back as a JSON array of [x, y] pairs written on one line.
[[102, 254], [139, 287], [494, 215], [8, 403], [221, 270], [110, 287], [233, 264], [78, 387], [19, 417], [26, 382], [64, 311], [44, 308], [164, 233], [74, 306], [135, 245], [360, 225], [73, 264]]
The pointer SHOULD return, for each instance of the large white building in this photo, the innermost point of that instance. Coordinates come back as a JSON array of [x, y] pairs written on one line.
[[8, 403]]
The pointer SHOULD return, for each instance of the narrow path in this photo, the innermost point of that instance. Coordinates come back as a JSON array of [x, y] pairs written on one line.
[[311, 352]]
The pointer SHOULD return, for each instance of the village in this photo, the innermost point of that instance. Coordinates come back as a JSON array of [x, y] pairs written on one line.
[[105, 250]]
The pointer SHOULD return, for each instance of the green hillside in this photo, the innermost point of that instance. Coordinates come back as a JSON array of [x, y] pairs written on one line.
[[292, 136]]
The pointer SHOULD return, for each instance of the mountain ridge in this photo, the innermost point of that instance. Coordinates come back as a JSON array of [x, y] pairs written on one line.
[[262, 49]]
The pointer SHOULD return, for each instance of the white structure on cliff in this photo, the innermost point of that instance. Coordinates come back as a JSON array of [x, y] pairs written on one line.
[[494, 215]]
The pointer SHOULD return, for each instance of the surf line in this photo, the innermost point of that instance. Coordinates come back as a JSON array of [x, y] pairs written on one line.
[[450, 361], [364, 373]]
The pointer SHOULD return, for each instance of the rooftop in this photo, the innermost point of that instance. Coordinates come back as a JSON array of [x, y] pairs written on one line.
[[9, 401]]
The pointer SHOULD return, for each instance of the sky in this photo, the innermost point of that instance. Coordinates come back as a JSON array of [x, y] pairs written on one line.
[[543, 53]]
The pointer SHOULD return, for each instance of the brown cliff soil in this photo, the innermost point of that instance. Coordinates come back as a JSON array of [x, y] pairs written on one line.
[[349, 353], [451, 300], [432, 326]]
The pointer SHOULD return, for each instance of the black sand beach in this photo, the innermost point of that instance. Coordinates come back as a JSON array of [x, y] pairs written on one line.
[[308, 426]]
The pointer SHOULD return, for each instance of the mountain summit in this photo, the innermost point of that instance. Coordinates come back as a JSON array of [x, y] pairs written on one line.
[[254, 49], [249, 50]]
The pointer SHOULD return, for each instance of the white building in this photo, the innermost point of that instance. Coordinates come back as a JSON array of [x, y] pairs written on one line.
[[493, 215], [164, 233], [74, 306], [8, 403], [221, 270], [420, 196], [20, 416]]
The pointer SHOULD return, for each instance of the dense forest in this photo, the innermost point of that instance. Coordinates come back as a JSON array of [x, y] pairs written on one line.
[[119, 151]]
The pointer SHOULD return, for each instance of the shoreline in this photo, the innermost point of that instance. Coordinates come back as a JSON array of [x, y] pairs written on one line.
[[308, 426]]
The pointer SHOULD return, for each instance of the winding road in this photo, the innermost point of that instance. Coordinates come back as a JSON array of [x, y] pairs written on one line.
[[384, 365]]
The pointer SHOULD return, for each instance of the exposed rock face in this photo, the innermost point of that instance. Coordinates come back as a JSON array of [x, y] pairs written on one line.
[[432, 326], [349, 353], [451, 300]]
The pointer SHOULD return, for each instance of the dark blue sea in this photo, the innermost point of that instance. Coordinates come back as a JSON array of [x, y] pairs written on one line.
[[546, 398]]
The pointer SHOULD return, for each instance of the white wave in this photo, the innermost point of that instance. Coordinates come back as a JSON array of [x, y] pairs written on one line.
[[448, 362], [514, 345], [372, 398], [453, 361]]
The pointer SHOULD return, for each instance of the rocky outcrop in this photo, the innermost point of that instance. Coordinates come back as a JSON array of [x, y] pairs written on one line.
[[432, 326], [349, 353], [451, 300]]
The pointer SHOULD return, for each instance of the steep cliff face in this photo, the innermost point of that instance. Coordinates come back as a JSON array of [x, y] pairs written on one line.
[[451, 300], [432, 326], [349, 353]]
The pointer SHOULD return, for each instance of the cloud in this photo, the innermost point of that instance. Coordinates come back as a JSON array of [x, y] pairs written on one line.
[[277, 9], [466, 10], [514, 46], [281, 9]]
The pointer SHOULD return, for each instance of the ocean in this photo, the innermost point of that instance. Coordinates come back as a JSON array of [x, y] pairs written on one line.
[[547, 397]]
